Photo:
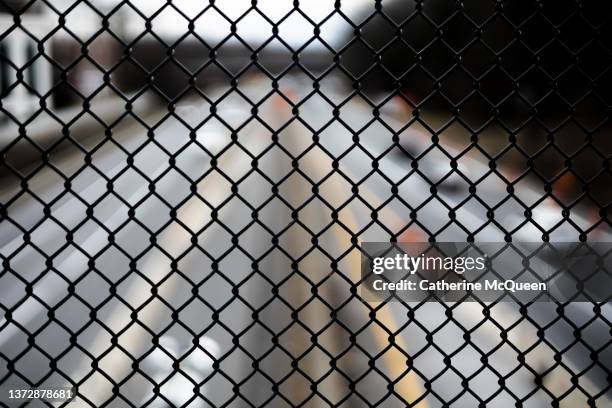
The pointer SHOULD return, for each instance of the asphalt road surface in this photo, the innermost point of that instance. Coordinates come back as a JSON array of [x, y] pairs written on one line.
[[136, 312]]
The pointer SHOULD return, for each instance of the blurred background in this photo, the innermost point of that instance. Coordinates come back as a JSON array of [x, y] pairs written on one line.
[[184, 186], [499, 70]]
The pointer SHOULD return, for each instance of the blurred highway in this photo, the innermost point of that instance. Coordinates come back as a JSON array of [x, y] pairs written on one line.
[[118, 293]]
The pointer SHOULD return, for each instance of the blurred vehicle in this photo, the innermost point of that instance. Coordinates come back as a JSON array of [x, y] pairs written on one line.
[[535, 74]]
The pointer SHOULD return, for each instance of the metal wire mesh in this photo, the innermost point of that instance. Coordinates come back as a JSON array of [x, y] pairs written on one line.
[[196, 271]]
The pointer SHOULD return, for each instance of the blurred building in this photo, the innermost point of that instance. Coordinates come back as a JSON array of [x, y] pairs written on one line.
[[20, 56]]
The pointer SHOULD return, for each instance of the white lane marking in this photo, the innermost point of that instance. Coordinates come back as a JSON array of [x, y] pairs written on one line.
[[97, 388], [197, 364], [50, 288]]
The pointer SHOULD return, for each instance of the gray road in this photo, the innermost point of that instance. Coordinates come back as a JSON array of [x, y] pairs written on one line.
[[237, 288]]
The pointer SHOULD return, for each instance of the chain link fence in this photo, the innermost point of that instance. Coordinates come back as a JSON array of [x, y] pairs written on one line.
[[186, 187]]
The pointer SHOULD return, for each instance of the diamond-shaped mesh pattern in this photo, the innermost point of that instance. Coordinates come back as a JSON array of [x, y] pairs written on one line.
[[185, 186]]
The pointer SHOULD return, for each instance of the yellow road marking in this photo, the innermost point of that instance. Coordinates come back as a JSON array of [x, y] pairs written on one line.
[[407, 384]]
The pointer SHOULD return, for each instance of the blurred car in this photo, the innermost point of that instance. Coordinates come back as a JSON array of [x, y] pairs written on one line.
[[536, 73]]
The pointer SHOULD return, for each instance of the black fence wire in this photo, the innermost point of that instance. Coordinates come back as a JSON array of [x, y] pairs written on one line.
[[185, 189]]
